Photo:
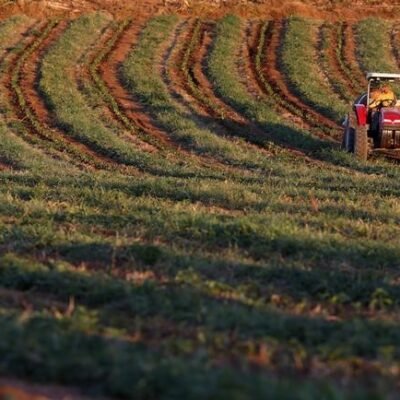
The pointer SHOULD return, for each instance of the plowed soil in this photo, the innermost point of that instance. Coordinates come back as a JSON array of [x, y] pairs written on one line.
[[211, 8]]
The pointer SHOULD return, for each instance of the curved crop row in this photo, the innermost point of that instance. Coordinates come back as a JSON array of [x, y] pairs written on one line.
[[298, 61], [186, 69], [72, 113], [266, 64], [134, 116], [52, 138], [190, 66], [373, 46], [330, 64], [347, 56], [222, 69], [112, 103], [141, 77], [14, 152]]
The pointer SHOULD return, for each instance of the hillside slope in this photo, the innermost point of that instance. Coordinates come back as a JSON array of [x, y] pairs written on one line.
[[176, 218]]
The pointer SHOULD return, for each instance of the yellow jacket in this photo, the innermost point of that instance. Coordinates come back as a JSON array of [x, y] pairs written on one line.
[[382, 97]]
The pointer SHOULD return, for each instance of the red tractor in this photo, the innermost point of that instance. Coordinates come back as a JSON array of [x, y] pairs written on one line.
[[373, 125]]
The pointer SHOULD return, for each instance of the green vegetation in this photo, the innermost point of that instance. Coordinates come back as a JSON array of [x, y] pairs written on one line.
[[141, 76], [327, 33], [73, 113], [299, 61], [228, 84], [373, 46], [276, 279]]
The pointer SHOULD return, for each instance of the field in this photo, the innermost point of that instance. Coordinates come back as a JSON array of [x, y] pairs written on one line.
[[177, 220]]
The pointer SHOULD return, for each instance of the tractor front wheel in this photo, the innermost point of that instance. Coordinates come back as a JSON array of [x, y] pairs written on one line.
[[348, 136], [361, 143]]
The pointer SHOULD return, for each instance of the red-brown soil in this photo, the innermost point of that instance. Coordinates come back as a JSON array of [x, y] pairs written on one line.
[[346, 9], [133, 110], [203, 99], [84, 75], [28, 82], [349, 58], [336, 71], [272, 72], [12, 389], [29, 76], [252, 77]]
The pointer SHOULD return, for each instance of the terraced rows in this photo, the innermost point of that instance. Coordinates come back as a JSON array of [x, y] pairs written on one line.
[[176, 218]]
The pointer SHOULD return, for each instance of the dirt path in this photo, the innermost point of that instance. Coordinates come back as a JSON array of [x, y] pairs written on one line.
[[349, 59], [132, 109], [337, 68], [37, 117], [32, 110], [272, 73], [185, 75], [13, 389]]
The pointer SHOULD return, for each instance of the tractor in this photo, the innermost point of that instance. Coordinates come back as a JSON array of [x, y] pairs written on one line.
[[373, 127]]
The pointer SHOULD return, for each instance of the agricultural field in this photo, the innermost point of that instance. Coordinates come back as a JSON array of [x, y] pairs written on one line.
[[177, 220]]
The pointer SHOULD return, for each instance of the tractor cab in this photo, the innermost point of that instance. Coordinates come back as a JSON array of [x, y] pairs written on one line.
[[373, 124]]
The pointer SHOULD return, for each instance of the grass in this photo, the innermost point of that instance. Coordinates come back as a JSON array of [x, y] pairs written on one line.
[[373, 46], [71, 110], [298, 58], [327, 32], [142, 63], [282, 283]]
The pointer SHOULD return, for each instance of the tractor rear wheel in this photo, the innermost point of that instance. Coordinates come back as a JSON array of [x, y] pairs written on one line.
[[361, 143]]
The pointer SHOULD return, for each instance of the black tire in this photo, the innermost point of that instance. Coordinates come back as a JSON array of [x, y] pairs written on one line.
[[348, 135], [361, 143]]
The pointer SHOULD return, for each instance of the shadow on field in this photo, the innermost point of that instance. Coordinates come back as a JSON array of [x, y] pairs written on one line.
[[196, 306]]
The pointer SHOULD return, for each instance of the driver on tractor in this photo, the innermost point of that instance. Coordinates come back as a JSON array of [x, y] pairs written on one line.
[[382, 97]]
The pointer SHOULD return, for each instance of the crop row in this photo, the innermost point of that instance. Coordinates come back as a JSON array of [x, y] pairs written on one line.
[[25, 109], [100, 58], [273, 89], [296, 72], [227, 280], [103, 147]]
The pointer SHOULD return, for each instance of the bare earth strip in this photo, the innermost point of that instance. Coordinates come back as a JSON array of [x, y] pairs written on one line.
[[333, 54], [187, 81], [133, 110], [14, 389], [34, 113], [349, 58], [41, 121], [274, 74]]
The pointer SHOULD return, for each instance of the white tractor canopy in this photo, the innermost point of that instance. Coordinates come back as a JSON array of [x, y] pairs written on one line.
[[382, 76]]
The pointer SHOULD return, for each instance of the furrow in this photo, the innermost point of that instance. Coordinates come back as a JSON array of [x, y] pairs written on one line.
[[253, 63], [272, 73], [98, 68], [135, 114], [348, 57], [190, 81], [129, 111], [332, 68], [30, 106]]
